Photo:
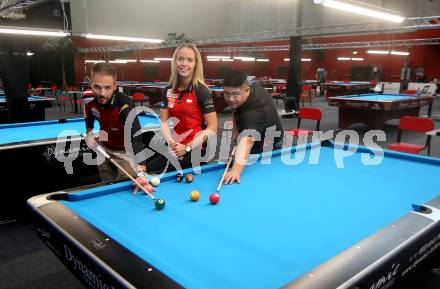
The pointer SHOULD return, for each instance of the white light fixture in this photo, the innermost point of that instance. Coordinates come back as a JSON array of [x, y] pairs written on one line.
[[218, 57], [262, 60], [5, 30], [245, 58], [149, 61], [213, 59], [362, 9], [378, 51], [393, 52], [344, 58], [227, 59], [94, 61], [286, 59], [163, 59], [29, 53], [122, 38], [306, 59], [126, 60], [118, 62], [357, 59]]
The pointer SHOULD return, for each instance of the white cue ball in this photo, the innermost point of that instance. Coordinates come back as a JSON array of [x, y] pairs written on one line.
[[155, 181]]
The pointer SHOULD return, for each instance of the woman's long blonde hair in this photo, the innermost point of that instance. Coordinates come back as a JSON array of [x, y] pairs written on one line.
[[197, 78]]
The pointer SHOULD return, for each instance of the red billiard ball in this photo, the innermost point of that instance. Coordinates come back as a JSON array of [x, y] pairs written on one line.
[[214, 198], [189, 178]]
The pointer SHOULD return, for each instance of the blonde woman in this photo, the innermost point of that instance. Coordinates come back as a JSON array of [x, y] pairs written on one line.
[[187, 99]]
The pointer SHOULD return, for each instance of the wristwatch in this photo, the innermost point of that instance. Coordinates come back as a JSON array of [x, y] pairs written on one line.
[[188, 148], [142, 174]]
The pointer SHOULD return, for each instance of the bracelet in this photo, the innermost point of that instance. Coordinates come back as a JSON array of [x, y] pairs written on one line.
[[142, 174]]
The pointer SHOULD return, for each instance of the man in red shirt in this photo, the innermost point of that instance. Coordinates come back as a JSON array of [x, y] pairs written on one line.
[[111, 109]]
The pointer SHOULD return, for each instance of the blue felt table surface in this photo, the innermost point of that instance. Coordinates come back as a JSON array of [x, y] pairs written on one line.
[[30, 98], [378, 97], [40, 130], [279, 223]]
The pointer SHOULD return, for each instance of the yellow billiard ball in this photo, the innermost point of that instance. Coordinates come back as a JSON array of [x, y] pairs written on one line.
[[194, 196]]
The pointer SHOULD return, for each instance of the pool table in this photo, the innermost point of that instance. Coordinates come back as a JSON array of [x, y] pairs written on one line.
[[36, 105], [28, 153], [375, 109], [337, 88], [153, 90], [299, 226], [218, 99]]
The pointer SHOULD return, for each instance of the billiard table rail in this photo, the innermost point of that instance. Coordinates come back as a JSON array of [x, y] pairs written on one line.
[[378, 261], [52, 141], [357, 108], [86, 251], [382, 259]]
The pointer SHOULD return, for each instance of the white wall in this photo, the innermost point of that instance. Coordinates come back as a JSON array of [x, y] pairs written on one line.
[[149, 18], [247, 16], [209, 18]]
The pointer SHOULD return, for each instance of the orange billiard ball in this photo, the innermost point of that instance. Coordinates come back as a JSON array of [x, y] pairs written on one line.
[[194, 196], [189, 178]]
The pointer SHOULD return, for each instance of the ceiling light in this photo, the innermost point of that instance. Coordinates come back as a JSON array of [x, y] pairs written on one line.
[[126, 60], [344, 58], [33, 32], [118, 61], [218, 57], [362, 9], [262, 60], [378, 51], [243, 58], [122, 38], [149, 61], [94, 61], [306, 59], [163, 59], [399, 52]]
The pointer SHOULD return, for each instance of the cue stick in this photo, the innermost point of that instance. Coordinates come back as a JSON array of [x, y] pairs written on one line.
[[105, 154], [226, 169]]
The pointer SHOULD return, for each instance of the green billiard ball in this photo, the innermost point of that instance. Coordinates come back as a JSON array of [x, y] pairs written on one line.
[[160, 204]]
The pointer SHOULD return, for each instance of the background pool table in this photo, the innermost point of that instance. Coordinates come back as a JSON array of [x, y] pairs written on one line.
[[375, 109], [219, 101], [301, 226], [36, 105], [27, 151], [337, 88]]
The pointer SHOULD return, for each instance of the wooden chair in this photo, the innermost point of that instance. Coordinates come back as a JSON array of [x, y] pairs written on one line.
[[311, 113], [415, 124]]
